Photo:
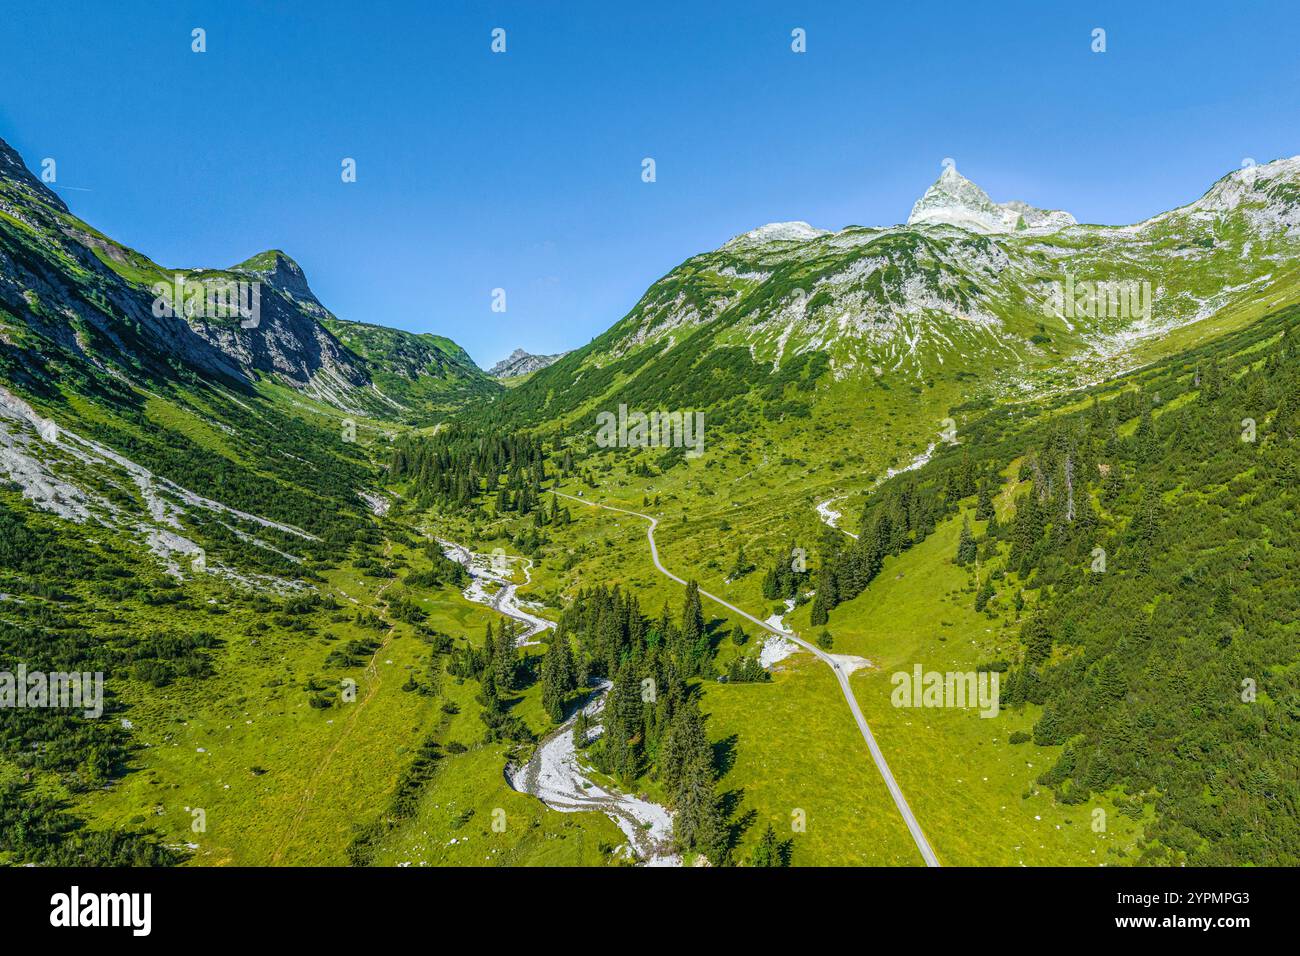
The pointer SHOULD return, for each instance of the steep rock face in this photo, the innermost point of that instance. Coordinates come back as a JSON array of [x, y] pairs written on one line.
[[520, 362], [277, 270], [98, 300], [57, 279], [289, 342]]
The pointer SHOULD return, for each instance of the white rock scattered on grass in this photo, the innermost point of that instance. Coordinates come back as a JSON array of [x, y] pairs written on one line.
[[26, 459], [776, 649]]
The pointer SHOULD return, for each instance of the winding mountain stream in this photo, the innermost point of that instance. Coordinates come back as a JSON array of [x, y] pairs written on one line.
[[554, 774]]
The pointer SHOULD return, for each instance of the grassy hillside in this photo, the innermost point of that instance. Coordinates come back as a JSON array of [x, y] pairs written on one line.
[[425, 376]]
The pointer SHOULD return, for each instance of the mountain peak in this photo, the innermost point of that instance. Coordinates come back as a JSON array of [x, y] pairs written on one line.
[[796, 231], [279, 271], [14, 170], [270, 262], [520, 362], [950, 178], [956, 201]]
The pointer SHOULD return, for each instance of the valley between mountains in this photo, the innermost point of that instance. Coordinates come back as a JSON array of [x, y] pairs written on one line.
[[359, 602]]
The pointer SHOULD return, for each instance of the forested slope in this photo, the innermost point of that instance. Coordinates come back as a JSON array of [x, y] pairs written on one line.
[[1152, 559]]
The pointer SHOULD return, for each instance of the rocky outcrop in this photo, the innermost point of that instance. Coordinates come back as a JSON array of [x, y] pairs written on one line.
[[520, 362], [99, 301]]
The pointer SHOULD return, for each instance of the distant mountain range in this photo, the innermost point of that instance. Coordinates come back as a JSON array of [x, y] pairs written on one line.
[[957, 201], [520, 362], [967, 287]]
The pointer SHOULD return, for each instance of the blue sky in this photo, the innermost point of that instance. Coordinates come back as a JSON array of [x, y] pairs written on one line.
[[523, 170]]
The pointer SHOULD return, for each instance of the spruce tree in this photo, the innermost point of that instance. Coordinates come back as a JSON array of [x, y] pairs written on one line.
[[1037, 639], [557, 678], [820, 612], [984, 503], [686, 766], [505, 656], [693, 637], [742, 565], [768, 851], [966, 544], [1147, 446]]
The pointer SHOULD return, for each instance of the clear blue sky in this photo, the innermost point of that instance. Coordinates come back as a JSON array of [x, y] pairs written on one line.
[[522, 170]]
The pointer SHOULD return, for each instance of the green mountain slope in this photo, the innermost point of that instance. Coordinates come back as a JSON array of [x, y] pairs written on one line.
[[415, 373], [187, 511], [1146, 710], [69, 293], [999, 313], [1140, 575]]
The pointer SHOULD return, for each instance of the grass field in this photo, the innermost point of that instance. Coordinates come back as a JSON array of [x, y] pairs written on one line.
[[955, 766], [241, 769], [791, 744]]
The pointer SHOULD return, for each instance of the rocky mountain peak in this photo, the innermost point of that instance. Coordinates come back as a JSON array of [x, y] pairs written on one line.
[[15, 171], [797, 231], [520, 362], [956, 201], [279, 271], [1268, 184]]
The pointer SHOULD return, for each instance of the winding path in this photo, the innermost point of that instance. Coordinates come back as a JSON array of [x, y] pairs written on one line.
[[895, 791]]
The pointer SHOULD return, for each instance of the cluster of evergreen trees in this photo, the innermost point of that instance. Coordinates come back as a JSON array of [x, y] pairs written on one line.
[[501, 670], [607, 627], [313, 489], [1175, 677], [746, 669], [461, 468], [902, 513], [651, 720], [786, 575], [59, 744], [443, 571]]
